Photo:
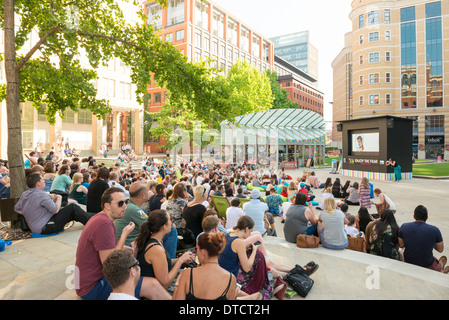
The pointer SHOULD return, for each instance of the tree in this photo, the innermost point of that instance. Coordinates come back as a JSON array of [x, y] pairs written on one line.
[[281, 100], [51, 72], [244, 90]]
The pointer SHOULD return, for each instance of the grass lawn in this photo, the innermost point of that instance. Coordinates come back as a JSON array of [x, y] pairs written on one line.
[[328, 161], [431, 169]]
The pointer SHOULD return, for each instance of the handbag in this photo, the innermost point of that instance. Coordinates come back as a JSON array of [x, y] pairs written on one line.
[[279, 288], [305, 241], [356, 244], [299, 281], [186, 239]]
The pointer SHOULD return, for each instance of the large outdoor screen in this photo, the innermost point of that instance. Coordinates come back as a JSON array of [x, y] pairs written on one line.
[[365, 142]]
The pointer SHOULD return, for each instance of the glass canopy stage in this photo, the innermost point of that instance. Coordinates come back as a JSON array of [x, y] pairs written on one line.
[[287, 138]]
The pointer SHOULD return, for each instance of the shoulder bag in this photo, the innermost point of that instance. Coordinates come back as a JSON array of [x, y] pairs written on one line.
[[305, 241], [299, 280]]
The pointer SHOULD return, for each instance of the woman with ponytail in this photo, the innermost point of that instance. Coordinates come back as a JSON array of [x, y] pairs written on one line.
[[154, 260], [208, 280]]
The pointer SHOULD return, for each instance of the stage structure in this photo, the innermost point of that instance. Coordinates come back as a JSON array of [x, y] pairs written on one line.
[[370, 142], [289, 138]]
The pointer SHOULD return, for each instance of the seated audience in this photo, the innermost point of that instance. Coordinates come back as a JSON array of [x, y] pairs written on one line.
[[42, 211], [96, 242], [151, 254]]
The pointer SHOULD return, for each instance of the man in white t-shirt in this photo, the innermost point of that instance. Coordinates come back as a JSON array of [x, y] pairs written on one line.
[[122, 272], [233, 213]]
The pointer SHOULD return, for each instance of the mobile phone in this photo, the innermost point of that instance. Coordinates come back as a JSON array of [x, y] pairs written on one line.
[[257, 243]]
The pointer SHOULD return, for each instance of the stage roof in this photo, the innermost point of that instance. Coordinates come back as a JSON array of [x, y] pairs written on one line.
[[294, 125]]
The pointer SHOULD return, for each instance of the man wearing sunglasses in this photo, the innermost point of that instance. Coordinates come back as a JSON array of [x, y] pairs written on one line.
[[97, 242]]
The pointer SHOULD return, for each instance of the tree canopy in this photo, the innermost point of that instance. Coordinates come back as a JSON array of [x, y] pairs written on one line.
[[52, 71], [244, 90]]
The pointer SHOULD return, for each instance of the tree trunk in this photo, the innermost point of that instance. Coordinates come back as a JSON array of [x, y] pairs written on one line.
[[15, 156]]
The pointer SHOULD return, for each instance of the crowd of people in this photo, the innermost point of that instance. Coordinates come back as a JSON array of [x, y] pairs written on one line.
[[155, 232]]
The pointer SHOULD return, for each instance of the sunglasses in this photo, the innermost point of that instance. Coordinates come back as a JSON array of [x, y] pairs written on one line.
[[136, 264], [122, 202]]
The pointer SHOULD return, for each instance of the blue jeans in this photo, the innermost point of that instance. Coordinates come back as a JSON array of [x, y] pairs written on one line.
[[170, 242], [331, 246], [103, 289]]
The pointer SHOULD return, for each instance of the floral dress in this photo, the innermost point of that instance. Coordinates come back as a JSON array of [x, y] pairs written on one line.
[[383, 244]]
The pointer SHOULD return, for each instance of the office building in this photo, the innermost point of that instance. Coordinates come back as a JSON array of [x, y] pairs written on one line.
[[297, 49], [201, 29], [393, 64]]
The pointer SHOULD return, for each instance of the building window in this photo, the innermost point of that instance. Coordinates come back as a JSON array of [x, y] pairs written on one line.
[[374, 57], [388, 77], [244, 39], [108, 87], [125, 90], [180, 35], [169, 37], [175, 12], [435, 124], [373, 18], [407, 14], [361, 21], [387, 56], [207, 44], [387, 16], [218, 24], [69, 116], [84, 117], [361, 39], [373, 99], [433, 9], [388, 98], [373, 36], [361, 59], [387, 35], [198, 40], [157, 97], [361, 101], [434, 58], [373, 78], [155, 16], [361, 80], [408, 62], [201, 15]]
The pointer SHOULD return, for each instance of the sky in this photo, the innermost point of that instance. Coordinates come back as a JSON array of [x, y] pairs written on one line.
[[326, 20]]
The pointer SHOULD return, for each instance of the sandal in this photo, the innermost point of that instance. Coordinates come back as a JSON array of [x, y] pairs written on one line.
[[311, 268]]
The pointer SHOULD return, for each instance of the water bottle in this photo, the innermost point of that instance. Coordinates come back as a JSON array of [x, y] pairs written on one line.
[[270, 275]]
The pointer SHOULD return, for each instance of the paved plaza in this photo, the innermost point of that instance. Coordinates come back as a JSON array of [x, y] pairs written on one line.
[[42, 269]]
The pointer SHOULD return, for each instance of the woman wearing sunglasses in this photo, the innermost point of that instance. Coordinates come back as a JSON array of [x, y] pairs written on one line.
[[151, 254]]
